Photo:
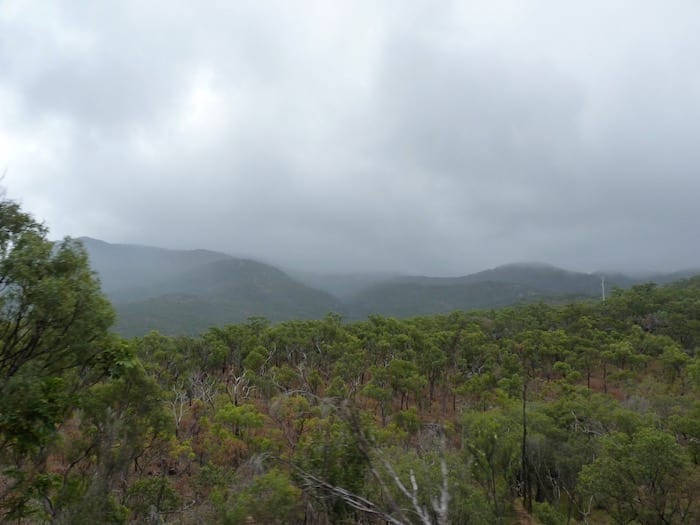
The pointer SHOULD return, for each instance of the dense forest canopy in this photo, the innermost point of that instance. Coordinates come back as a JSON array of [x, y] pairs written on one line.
[[578, 413]]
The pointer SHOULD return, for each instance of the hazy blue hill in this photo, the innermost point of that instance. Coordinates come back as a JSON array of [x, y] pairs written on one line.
[[128, 266], [187, 291], [666, 278], [543, 277], [546, 279], [222, 278], [343, 286], [191, 314], [402, 299], [501, 286], [258, 289]]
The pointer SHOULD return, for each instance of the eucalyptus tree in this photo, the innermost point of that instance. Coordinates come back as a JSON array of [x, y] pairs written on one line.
[[54, 344]]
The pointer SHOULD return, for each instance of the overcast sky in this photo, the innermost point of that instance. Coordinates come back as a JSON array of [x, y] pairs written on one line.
[[429, 137]]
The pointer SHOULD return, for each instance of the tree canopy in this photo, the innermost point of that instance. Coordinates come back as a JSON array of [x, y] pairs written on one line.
[[54, 343], [577, 413]]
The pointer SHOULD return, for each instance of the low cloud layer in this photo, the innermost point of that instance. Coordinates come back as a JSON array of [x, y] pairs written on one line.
[[345, 136]]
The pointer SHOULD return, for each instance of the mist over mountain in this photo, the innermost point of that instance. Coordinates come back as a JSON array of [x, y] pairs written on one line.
[[129, 266], [188, 291], [344, 286]]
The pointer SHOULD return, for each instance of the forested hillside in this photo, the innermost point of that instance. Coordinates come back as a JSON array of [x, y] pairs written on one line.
[[125, 268], [185, 292], [587, 412]]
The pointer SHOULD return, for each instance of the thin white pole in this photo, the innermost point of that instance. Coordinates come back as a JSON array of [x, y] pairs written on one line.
[[602, 285]]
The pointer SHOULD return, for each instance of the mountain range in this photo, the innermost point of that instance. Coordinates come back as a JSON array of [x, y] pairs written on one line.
[[188, 291]]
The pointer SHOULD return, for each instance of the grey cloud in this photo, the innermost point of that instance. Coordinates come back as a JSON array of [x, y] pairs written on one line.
[[402, 137]]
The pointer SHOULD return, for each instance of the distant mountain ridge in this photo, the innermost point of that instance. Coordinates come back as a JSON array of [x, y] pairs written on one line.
[[131, 266], [188, 291], [502, 286]]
